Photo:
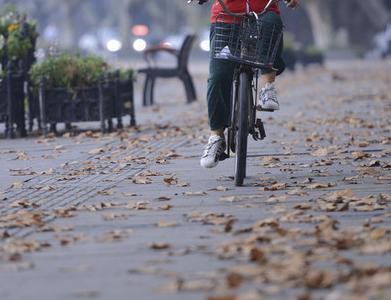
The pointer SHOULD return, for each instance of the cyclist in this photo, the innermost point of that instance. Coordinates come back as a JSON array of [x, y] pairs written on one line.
[[221, 78]]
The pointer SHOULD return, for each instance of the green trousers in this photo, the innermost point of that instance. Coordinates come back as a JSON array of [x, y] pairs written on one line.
[[220, 79]]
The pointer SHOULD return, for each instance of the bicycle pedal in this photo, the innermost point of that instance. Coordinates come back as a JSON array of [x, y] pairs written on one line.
[[259, 108], [267, 110], [223, 156]]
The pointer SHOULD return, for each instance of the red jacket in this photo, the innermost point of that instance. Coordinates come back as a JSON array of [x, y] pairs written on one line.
[[239, 6]]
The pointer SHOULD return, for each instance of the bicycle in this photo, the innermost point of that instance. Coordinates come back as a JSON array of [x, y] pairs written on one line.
[[252, 44]]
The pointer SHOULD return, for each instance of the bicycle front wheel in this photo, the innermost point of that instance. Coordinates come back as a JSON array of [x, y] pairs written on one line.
[[242, 127]]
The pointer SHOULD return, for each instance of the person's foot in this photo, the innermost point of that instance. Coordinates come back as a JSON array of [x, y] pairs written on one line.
[[213, 151], [268, 98]]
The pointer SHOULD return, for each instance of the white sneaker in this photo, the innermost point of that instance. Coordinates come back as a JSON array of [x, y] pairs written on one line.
[[268, 98], [213, 151]]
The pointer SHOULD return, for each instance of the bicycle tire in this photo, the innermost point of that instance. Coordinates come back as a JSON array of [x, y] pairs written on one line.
[[242, 134]]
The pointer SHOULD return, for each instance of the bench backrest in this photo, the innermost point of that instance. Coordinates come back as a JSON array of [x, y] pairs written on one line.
[[184, 52]]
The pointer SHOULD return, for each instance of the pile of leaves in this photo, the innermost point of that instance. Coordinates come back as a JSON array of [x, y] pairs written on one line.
[[17, 36]]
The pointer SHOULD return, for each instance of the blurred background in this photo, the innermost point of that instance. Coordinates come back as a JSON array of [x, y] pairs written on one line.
[[121, 29]]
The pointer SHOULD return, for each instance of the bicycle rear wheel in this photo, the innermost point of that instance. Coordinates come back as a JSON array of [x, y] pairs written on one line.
[[242, 126]]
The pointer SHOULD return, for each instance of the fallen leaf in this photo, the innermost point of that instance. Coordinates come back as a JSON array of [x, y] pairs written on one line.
[[195, 193], [164, 198], [141, 180], [170, 180], [17, 185], [220, 189], [160, 246], [21, 156], [271, 162], [96, 151], [166, 224], [276, 187], [303, 206], [360, 155], [165, 207]]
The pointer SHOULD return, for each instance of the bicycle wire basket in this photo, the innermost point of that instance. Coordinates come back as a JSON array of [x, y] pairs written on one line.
[[246, 40]]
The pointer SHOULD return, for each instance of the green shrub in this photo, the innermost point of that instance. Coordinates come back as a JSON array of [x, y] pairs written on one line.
[[69, 71], [127, 74], [17, 35], [313, 51]]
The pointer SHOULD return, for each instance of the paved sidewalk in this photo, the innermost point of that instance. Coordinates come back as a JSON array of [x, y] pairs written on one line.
[[131, 215]]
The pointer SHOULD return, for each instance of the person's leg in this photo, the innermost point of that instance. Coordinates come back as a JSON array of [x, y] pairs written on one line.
[[219, 91], [268, 95], [219, 106]]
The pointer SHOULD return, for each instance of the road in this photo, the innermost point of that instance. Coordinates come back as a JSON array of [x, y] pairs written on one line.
[[131, 215]]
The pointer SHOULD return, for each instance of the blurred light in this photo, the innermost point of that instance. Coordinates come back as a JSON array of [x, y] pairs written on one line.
[[139, 45], [114, 45], [205, 45], [88, 42], [50, 33], [140, 30], [167, 44]]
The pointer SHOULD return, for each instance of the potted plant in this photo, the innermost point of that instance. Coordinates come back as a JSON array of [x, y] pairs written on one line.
[[17, 43], [18, 37], [125, 81], [71, 88]]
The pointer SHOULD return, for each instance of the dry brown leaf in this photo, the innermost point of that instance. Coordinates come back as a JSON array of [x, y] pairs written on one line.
[[141, 180], [378, 233], [360, 155], [320, 152], [314, 186], [96, 151], [160, 246], [319, 279], [24, 204], [65, 212], [21, 219], [116, 235], [297, 192], [107, 192], [271, 162], [164, 198], [166, 224], [140, 205], [303, 206], [275, 187], [170, 180], [195, 193], [166, 207], [220, 189], [46, 188], [21, 156], [17, 185], [276, 199], [19, 246], [114, 216], [234, 280]]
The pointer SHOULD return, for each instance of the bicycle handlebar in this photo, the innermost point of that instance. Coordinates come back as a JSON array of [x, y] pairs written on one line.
[[229, 12]]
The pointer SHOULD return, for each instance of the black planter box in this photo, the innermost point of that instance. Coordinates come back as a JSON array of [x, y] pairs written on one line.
[[310, 58], [125, 99], [108, 100]]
